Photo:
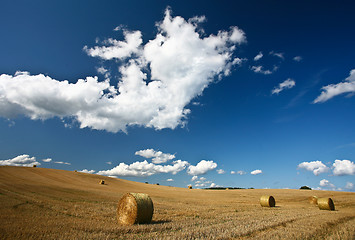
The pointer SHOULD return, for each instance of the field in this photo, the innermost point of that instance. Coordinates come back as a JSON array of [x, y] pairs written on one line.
[[38, 203]]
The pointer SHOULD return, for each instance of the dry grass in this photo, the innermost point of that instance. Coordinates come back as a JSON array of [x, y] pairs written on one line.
[[37, 203]]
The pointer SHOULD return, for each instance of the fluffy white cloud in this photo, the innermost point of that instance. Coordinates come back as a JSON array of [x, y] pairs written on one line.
[[297, 58], [343, 167], [157, 156], [194, 178], [326, 183], [258, 57], [276, 54], [201, 168], [316, 166], [47, 160], [109, 163], [241, 172], [144, 169], [180, 62], [170, 180], [233, 172], [87, 171], [220, 171], [65, 163], [21, 160], [287, 84], [260, 69], [349, 185], [255, 172], [202, 178], [332, 90]]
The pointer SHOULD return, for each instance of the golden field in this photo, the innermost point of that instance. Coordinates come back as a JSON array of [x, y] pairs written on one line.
[[39, 203]]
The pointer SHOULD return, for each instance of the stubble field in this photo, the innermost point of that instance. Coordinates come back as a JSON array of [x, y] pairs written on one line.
[[38, 203]]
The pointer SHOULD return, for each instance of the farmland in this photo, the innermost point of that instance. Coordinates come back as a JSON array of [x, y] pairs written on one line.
[[38, 203]]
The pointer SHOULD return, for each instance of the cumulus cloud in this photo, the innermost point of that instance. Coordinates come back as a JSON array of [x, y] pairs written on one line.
[[220, 171], [332, 90], [326, 183], [65, 163], [144, 169], [21, 160], [276, 54], [202, 178], [343, 167], [233, 172], [258, 57], [47, 160], [157, 156], [241, 172], [297, 58], [349, 185], [260, 69], [317, 167], [87, 171], [157, 79], [201, 168], [255, 172], [287, 84], [194, 178], [170, 180]]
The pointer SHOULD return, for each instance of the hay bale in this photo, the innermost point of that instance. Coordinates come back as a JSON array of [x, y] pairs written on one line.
[[313, 200], [34, 165], [102, 182], [326, 204], [190, 187], [267, 201], [75, 171], [135, 208]]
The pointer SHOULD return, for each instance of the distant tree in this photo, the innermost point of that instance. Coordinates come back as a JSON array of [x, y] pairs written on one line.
[[306, 188]]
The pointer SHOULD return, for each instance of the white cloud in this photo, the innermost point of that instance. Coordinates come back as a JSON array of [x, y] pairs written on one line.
[[109, 163], [66, 163], [279, 55], [87, 171], [343, 167], [316, 166], [201, 168], [241, 172], [258, 57], [297, 58], [170, 180], [260, 69], [157, 156], [220, 171], [349, 185], [144, 169], [21, 160], [255, 172], [200, 185], [233, 172], [180, 62], [287, 84], [47, 160], [332, 90], [326, 183], [202, 178], [194, 178]]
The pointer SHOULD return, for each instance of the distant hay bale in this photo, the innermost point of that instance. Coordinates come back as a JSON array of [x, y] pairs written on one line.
[[75, 171], [227, 188], [102, 182], [34, 165], [313, 200], [190, 187], [267, 201], [135, 208], [326, 204]]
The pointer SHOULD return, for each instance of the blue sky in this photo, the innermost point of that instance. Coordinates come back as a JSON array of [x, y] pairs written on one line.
[[229, 93]]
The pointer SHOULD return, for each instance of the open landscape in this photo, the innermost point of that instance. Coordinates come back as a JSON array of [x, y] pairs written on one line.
[[39, 203]]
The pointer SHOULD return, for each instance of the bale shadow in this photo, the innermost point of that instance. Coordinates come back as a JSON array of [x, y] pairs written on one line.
[[153, 222]]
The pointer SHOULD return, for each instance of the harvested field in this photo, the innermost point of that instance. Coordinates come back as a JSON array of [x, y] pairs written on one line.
[[38, 203]]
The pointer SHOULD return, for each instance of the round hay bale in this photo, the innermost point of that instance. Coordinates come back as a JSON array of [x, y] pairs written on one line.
[[135, 208], [313, 200], [75, 171], [326, 204], [267, 201], [34, 165], [190, 187], [102, 182]]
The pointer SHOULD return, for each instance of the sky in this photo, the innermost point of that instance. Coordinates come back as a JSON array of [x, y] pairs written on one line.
[[205, 93]]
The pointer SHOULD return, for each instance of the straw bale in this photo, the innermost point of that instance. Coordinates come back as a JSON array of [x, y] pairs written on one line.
[[326, 204], [34, 165], [190, 187], [313, 200], [102, 182], [135, 208], [267, 201]]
